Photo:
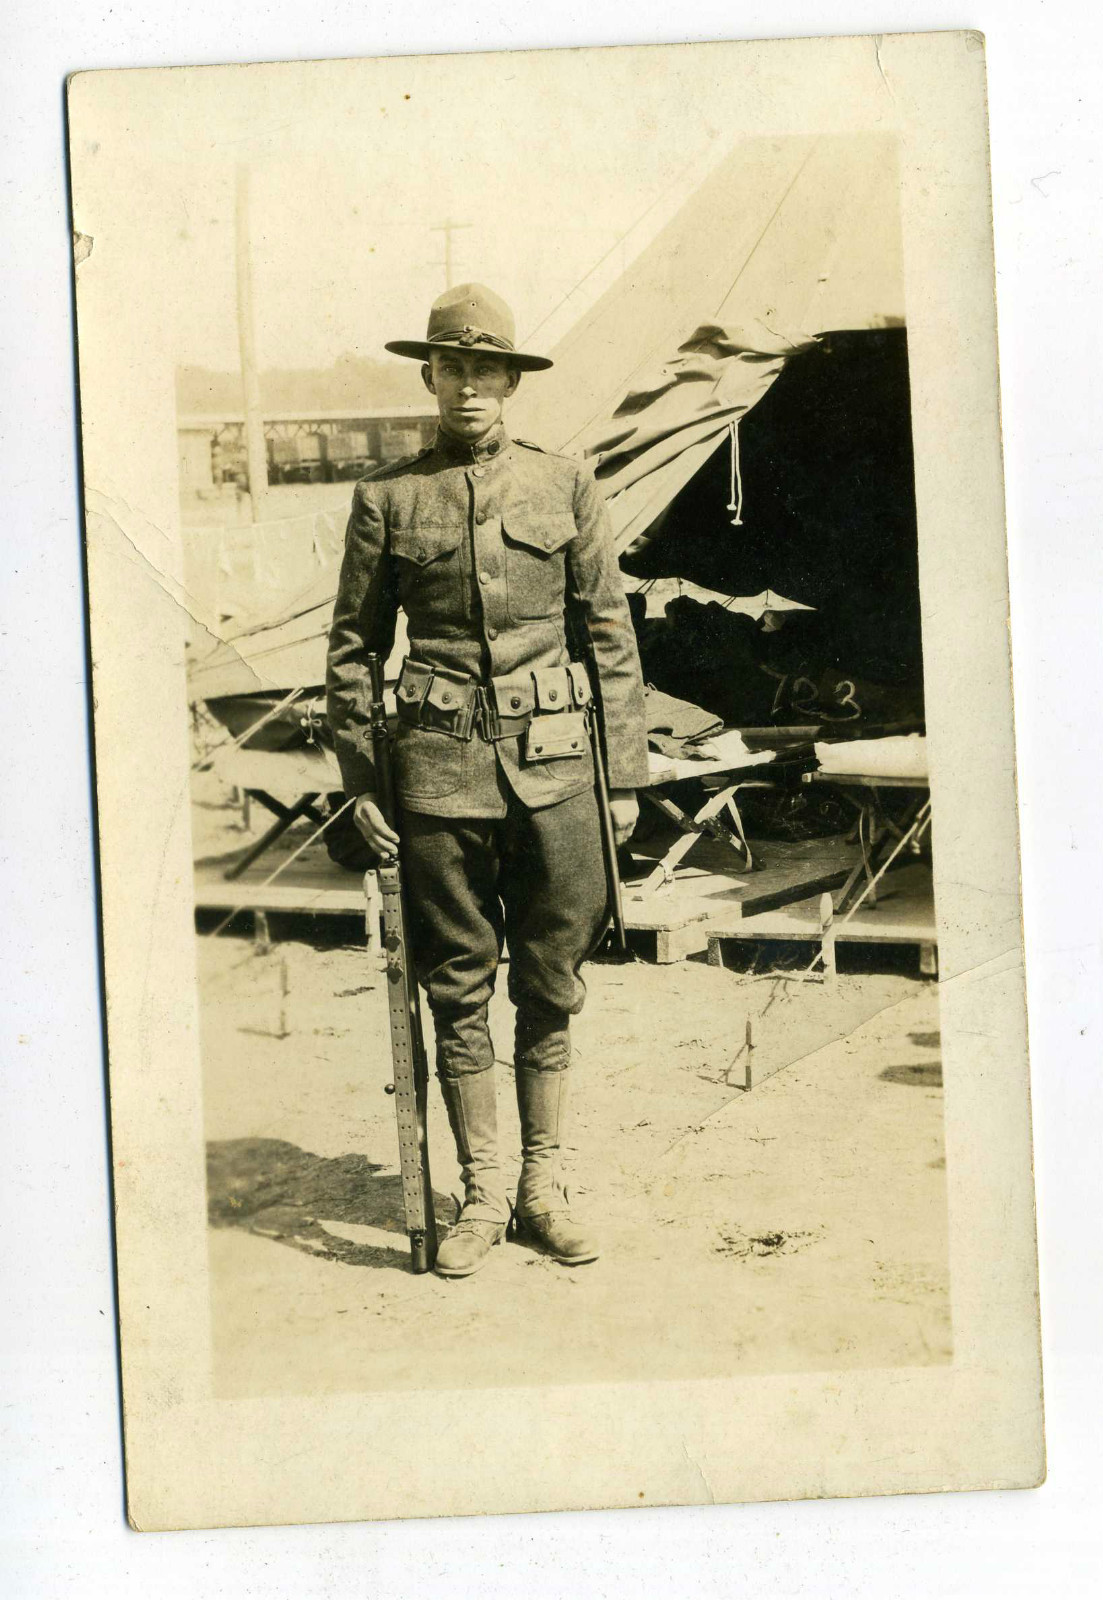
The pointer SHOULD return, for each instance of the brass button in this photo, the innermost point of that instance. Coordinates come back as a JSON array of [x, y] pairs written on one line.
[[493, 447], [492, 633], [446, 698], [476, 472], [480, 516], [515, 701], [553, 694], [484, 577], [574, 744]]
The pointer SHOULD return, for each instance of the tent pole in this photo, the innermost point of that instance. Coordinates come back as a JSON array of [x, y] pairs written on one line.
[[255, 448]]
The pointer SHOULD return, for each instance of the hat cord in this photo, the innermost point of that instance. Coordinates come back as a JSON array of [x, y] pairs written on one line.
[[468, 335]]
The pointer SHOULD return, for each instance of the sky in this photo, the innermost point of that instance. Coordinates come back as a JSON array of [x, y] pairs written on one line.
[[337, 267], [559, 162]]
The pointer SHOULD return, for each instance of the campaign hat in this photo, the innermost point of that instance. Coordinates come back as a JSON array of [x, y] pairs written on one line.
[[469, 317]]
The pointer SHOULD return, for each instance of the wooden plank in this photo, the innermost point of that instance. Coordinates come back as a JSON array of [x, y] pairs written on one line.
[[788, 872], [667, 913], [785, 889], [305, 886], [903, 915], [675, 944]]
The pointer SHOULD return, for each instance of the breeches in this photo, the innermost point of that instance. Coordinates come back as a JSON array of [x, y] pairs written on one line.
[[534, 880]]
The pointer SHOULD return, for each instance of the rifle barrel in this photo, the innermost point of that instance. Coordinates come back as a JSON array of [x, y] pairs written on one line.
[[608, 834], [409, 1059]]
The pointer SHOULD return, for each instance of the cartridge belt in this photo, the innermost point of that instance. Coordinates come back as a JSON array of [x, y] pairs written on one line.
[[448, 702]]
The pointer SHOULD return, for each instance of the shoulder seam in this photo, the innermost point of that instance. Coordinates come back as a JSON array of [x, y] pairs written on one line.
[[553, 455], [387, 468]]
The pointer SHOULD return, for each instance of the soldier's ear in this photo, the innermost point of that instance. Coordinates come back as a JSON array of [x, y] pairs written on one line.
[[427, 378], [514, 380]]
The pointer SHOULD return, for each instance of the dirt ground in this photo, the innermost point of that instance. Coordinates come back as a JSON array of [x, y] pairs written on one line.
[[801, 1226]]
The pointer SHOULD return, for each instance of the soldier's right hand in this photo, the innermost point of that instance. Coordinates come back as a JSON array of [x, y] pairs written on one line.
[[374, 827]]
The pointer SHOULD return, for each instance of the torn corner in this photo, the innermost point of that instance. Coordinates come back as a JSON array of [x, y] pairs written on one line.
[[82, 247]]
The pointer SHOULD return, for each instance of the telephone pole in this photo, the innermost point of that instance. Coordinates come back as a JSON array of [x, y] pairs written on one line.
[[448, 229], [255, 448]]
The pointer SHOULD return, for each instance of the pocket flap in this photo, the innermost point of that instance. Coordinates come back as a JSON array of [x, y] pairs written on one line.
[[580, 684], [514, 694], [543, 531], [553, 689], [425, 542], [449, 696], [413, 681]]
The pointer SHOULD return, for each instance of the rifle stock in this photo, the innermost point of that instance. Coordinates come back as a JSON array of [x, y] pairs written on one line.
[[408, 1055]]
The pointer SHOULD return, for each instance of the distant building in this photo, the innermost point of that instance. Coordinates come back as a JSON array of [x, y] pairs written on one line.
[[303, 447]]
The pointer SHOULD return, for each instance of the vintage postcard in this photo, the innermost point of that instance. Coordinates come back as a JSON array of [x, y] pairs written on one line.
[[553, 740]]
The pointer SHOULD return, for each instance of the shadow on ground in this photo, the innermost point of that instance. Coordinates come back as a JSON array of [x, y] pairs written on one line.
[[277, 1191], [921, 1074]]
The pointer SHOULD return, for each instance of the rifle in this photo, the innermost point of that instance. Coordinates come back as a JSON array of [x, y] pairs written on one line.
[[608, 833], [411, 1064]]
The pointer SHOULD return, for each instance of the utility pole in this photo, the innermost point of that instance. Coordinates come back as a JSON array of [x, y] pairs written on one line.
[[448, 229], [255, 448]]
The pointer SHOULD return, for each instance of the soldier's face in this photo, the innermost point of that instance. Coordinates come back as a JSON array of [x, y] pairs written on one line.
[[471, 389]]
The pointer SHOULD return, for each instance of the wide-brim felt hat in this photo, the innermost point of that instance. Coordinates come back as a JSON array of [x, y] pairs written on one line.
[[469, 317]]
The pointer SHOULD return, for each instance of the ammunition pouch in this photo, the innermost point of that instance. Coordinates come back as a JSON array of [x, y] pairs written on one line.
[[556, 737], [546, 705], [433, 697]]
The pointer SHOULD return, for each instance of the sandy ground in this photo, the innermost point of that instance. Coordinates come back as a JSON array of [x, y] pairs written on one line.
[[801, 1226]]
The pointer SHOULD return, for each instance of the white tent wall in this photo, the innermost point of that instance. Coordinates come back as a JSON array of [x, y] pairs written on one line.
[[784, 233], [786, 239]]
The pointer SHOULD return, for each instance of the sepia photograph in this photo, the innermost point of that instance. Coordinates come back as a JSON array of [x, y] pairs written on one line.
[[696, 514], [562, 870]]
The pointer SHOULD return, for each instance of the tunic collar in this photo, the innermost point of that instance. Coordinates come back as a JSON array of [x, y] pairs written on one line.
[[486, 448]]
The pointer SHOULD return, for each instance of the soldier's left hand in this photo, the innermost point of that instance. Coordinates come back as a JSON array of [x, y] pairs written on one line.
[[626, 810]]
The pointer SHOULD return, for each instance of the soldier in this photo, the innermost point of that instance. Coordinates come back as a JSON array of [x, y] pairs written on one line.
[[502, 558]]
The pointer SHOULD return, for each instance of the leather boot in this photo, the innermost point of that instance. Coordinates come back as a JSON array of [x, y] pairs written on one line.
[[542, 1216], [471, 1101]]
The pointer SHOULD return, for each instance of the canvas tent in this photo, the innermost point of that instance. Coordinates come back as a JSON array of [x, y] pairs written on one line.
[[785, 240]]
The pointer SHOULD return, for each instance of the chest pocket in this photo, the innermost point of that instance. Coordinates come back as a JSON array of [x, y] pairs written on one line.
[[535, 559], [429, 561]]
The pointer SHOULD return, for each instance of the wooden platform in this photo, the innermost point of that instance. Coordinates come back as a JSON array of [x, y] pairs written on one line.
[[702, 909], [310, 884], [713, 881], [313, 886], [904, 914]]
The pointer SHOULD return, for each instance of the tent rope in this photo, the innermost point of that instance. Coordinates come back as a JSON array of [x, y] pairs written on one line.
[[920, 823], [272, 876], [205, 761], [735, 498]]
